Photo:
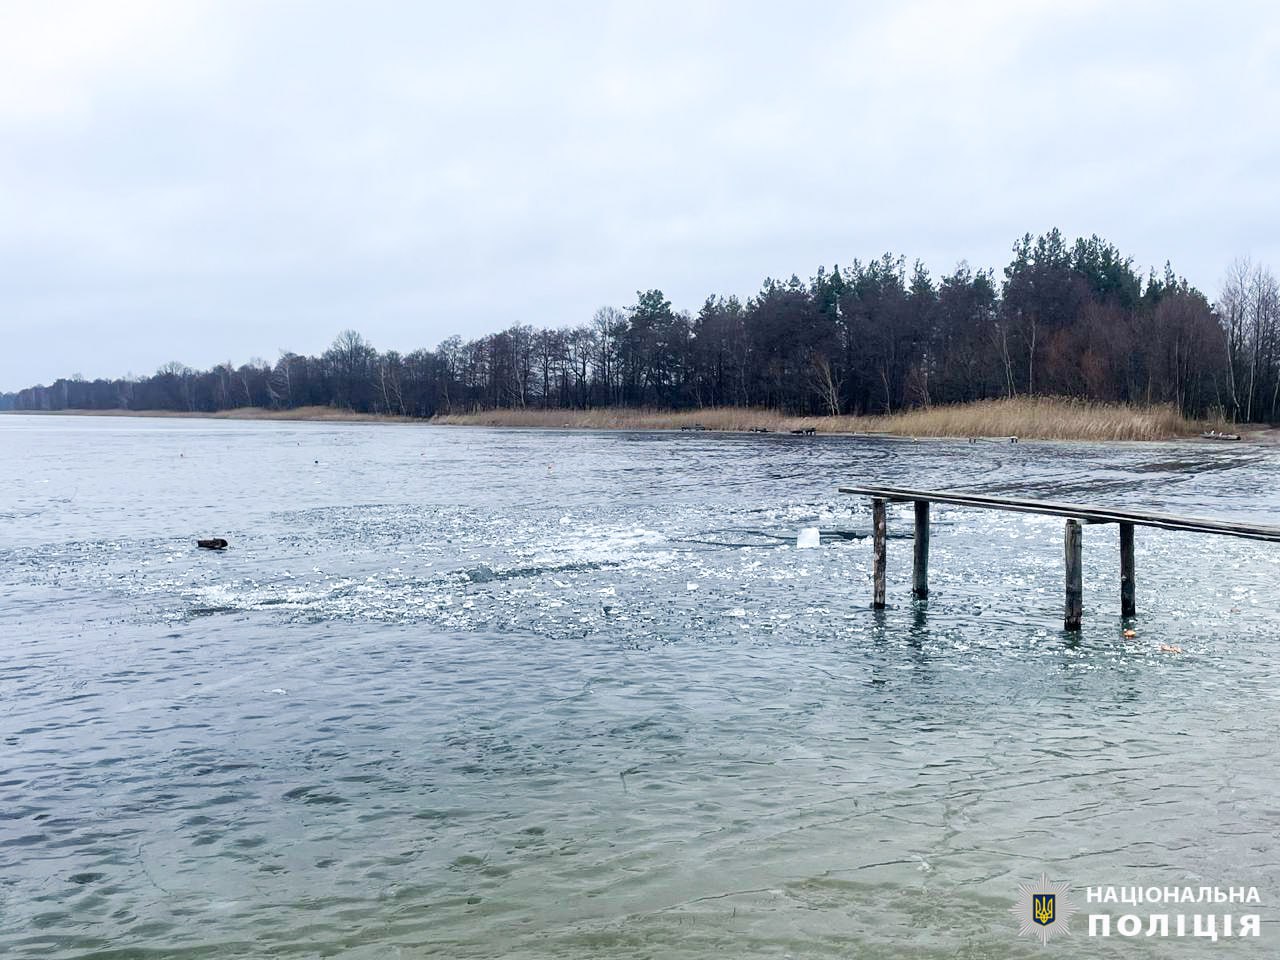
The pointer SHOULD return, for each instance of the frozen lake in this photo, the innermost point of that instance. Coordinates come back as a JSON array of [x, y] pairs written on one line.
[[474, 693]]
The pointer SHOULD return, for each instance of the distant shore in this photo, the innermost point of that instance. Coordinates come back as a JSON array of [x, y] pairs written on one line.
[[1024, 418], [1030, 418], [320, 414]]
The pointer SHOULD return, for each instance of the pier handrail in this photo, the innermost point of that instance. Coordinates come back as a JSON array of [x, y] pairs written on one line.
[[1089, 513], [1075, 513]]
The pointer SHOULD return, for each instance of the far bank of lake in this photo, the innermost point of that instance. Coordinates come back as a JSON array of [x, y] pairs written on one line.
[[1026, 418]]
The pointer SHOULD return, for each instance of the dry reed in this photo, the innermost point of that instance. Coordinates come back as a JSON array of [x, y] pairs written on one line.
[[1044, 418], [1038, 418]]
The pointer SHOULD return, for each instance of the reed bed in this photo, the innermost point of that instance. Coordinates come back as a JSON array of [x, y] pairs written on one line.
[[1030, 418], [1042, 418], [624, 418], [327, 414], [1045, 418]]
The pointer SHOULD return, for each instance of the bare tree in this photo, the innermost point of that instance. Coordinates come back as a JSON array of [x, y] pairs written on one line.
[[827, 382], [390, 382]]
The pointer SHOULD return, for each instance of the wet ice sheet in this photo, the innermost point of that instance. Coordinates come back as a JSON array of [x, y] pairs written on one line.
[[548, 694]]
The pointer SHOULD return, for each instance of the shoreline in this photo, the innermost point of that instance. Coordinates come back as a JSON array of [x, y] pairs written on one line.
[[990, 421], [297, 414]]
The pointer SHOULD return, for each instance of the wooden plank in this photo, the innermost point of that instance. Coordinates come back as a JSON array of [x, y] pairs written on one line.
[[1075, 590], [878, 558], [1090, 513], [920, 552], [1128, 606]]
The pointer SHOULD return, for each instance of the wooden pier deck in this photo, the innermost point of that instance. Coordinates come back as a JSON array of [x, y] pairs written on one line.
[[1076, 514]]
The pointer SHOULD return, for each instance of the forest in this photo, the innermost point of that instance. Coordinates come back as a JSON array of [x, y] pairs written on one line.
[[1072, 319]]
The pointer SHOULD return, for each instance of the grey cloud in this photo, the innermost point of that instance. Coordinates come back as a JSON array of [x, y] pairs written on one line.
[[240, 178]]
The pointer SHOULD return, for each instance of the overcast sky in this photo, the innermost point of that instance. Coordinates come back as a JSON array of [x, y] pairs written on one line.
[[207, 182]]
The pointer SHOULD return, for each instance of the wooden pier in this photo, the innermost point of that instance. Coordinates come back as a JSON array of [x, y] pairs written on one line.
[[1076, 514]]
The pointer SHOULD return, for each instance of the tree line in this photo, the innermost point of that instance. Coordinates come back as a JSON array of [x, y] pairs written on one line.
[[1068, 319]]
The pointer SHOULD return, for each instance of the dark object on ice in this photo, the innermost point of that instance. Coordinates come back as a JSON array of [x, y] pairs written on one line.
[[805, 431], [216, 543]]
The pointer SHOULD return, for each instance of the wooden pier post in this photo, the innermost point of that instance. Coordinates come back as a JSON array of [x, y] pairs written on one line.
[[1075, 591], [1075, 515], [920, 556], [1127, 605], [880, 534]]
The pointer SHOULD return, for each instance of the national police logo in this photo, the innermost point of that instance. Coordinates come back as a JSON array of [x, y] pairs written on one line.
[[1043, 909]]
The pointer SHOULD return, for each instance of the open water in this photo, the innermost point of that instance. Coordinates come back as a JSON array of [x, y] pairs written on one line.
[[484, 693]]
